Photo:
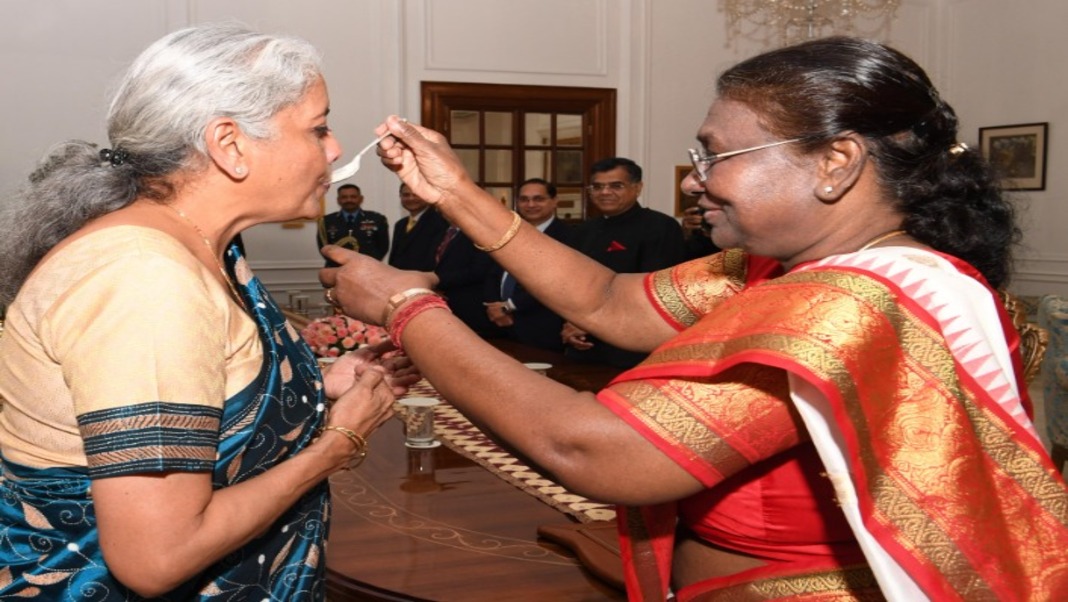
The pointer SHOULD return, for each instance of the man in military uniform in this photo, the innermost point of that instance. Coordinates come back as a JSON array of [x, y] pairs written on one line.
[[354, 228]]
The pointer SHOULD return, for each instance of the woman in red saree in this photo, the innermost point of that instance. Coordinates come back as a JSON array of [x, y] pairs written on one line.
[[833, 407]]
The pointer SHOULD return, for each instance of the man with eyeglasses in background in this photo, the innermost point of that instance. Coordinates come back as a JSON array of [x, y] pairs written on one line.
[[626, 237], [509, 306]]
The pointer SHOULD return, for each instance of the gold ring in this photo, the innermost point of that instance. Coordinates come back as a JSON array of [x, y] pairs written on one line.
[[329, 294]]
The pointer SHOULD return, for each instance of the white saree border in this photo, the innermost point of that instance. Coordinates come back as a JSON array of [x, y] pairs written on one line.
[[971, 325], [964, 309]]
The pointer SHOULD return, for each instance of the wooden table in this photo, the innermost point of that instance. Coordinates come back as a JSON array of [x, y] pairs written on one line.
[[577, 375], [433, 525]]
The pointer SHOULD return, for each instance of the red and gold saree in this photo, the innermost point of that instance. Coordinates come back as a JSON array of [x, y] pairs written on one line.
[[903, 368]]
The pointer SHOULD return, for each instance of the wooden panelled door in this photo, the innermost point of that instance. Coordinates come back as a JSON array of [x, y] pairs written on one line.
[[505, 134]]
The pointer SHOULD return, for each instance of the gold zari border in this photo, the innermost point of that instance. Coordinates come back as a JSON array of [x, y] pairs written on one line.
[[927, 442], [853, 584], [687, 291]]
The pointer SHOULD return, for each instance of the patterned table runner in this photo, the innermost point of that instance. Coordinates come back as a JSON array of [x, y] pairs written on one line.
[[457, 432]]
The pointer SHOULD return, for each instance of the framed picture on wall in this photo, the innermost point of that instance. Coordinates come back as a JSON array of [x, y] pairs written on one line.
[[1018, 154], [682, 201]]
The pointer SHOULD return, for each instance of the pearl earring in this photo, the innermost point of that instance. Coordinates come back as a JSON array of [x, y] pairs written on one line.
[[828, 189]]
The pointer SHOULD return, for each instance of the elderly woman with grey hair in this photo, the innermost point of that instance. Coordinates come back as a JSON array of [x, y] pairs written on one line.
[[164, 430]]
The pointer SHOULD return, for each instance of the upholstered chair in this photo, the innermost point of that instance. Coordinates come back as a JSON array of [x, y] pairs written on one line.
[[1053, 317]]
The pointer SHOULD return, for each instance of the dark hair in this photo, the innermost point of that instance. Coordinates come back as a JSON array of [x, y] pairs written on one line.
[[549, 187], [823, 88], [346, 186], [633, 169]]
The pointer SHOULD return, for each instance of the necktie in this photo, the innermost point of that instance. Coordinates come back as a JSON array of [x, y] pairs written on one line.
[[350, 219], [411, 224], [507, 286], [449, 235]]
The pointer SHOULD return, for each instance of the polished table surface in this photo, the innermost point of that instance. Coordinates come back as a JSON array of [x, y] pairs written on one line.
[[434, 525], [577, 375]]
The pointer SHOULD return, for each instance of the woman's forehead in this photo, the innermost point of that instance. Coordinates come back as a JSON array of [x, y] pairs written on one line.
[[728, 118]]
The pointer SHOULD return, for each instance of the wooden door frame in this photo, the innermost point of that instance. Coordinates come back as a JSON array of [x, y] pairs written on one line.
[[596, 105]]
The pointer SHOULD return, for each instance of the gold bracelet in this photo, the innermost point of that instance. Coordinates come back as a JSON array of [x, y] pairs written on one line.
[[508, 236], [360, 443], [401, 298]]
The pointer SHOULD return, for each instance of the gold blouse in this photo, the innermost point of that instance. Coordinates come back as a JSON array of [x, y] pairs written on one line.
[[121, 316]]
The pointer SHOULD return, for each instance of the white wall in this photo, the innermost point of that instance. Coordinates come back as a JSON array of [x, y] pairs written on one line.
[[58, 59], [1005, 66], [994, 61]]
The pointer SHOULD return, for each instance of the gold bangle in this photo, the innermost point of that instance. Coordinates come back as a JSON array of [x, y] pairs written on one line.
[[401, 298], [508, 236], [358, 441]]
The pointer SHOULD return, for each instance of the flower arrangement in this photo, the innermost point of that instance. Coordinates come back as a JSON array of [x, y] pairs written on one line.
[[336, 335]]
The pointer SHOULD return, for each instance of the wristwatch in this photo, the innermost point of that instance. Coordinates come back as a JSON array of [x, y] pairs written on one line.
[[403, 297]]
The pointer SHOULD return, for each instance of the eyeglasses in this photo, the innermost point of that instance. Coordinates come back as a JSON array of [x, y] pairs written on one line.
[[702, 162], [610, 186]]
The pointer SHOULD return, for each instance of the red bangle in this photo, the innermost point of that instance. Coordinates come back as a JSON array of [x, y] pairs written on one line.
[[404, 314]]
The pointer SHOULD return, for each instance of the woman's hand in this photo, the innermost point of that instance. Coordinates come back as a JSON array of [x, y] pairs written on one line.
[[400, 372], [423, 159], [205, 523], [341, 375], [362, 286], [365, 405]]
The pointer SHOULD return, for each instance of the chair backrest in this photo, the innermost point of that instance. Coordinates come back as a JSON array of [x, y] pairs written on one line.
[[1053, 316], [1033, 338]]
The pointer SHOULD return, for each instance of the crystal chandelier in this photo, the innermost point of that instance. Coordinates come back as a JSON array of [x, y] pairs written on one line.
[[791, 21]]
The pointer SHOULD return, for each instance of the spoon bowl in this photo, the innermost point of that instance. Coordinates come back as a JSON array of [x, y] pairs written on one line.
[[349, 169]]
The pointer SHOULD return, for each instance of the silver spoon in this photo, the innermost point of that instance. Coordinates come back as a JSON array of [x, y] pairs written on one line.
[[349, 169]]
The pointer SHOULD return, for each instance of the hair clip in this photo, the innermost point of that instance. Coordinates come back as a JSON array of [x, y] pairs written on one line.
[[115, 157], [957, 148]]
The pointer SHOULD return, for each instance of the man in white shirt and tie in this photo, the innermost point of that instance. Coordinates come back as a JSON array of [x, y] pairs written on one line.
[[509, 306]]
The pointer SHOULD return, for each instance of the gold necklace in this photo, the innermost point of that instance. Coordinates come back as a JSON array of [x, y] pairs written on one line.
[[211, 251], [881, 238]]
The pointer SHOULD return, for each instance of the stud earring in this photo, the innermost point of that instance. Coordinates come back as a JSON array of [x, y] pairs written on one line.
[[828, 189], [240, 170]]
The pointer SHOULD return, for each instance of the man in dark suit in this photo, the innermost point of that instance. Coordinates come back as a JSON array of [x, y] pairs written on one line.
[[354, 228], [509, 305], [626, 237], [416, 237], [462, 270]]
